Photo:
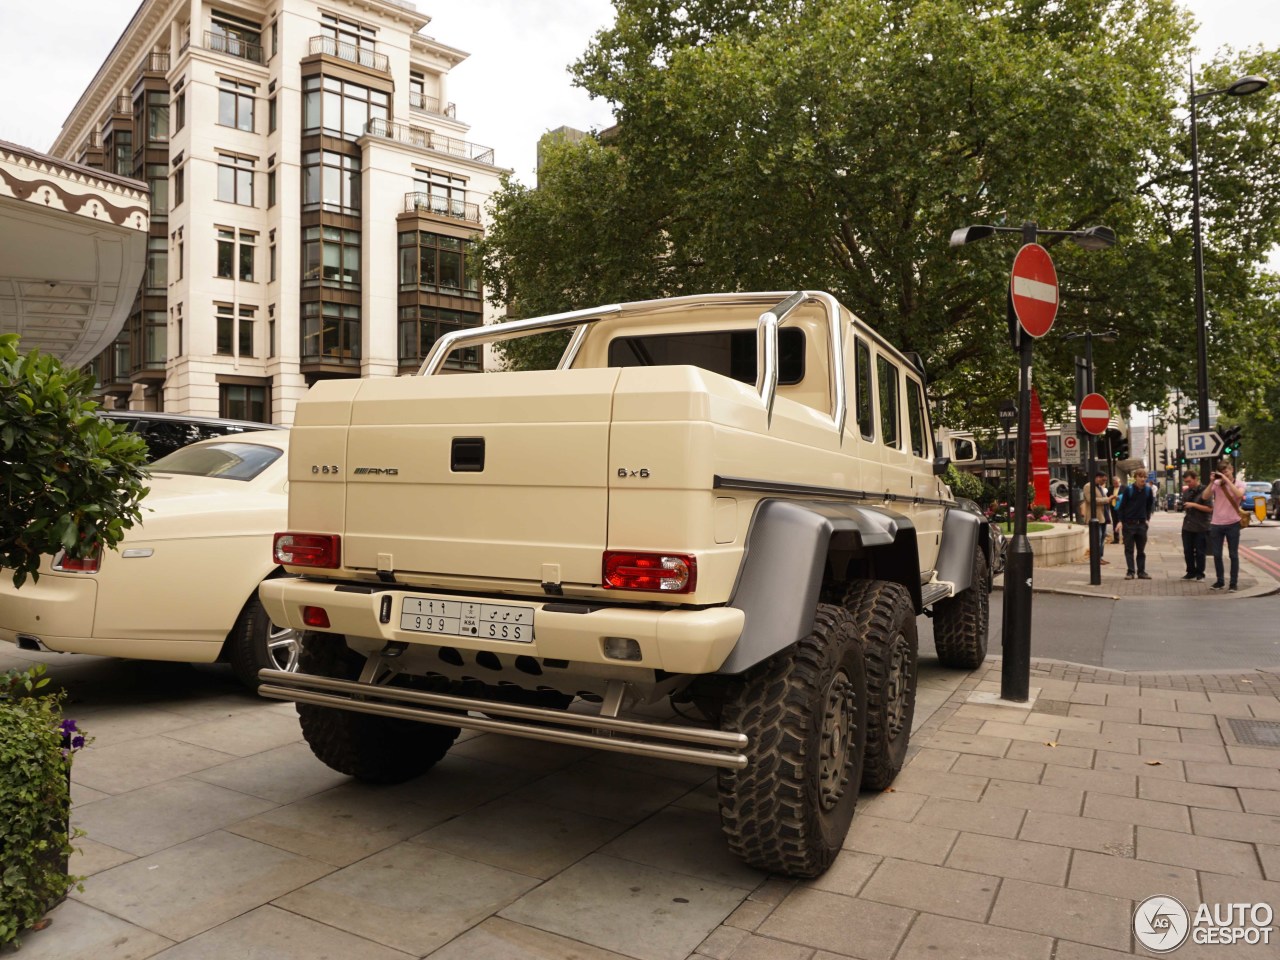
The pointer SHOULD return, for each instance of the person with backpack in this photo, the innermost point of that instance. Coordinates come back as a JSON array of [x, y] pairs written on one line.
[[1133, 512]]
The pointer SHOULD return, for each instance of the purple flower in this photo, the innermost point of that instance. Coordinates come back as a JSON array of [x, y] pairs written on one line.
[[68, 727], [77, 741]]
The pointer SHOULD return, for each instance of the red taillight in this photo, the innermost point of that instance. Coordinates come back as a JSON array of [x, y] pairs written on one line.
[[64, 564], [308, 550], [661, 572], [316, 617]]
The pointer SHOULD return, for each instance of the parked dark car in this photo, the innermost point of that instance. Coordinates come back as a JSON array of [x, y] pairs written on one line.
[[167, 432]]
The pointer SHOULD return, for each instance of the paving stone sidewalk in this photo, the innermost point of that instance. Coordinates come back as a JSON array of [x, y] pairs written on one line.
[[1012, 832]]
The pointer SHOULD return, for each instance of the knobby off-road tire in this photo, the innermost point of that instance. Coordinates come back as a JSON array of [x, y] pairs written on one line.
[[960, 623], [885, 623], [255, 642], [369, 748], [805, 713]]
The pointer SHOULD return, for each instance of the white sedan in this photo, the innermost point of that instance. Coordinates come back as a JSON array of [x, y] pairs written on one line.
[[183, 584]]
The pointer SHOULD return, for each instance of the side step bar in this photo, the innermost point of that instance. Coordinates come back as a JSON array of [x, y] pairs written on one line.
[[713, 748]]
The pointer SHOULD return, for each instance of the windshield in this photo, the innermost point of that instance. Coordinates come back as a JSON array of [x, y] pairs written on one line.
[[227, 460]]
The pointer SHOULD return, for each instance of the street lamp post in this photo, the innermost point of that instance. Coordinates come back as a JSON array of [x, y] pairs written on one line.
[[1242, 87], [1015, 667]]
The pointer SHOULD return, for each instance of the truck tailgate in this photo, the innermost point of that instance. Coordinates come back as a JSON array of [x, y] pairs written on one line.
[[495, 475]]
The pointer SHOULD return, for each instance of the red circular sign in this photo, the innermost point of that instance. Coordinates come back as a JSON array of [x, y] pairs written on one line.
[[1033, 287], [1095, 414]]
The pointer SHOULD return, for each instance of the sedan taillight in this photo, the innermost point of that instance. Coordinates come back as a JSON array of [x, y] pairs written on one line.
[[308, 550], [659, 572], [64, 564]]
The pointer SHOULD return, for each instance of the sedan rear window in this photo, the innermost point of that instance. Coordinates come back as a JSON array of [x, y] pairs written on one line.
[[228, 460]]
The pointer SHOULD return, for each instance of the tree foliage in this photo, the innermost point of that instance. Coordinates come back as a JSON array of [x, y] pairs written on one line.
[[835, 144], [69, 480]]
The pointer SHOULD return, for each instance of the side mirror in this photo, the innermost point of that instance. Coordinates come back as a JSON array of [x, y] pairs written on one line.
[[964, 449], [940, 465]]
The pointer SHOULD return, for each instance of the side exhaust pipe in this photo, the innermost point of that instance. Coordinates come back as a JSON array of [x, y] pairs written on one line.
[[713, 748]]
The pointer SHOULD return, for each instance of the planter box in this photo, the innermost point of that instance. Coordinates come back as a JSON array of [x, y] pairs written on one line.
[[1065, 543]]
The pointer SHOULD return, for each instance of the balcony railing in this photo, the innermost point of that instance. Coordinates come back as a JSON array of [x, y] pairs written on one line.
[[420, 101], [364, 56], [420, 202], [124, 104], [155, 63], [233, 46], [422, 137]]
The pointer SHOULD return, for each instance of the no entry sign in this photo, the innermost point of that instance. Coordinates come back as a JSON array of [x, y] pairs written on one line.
[[1033, 289], [1095, 413]]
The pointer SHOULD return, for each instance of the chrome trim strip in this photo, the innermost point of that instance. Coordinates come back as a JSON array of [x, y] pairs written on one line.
[[809, 490], [711, 747]]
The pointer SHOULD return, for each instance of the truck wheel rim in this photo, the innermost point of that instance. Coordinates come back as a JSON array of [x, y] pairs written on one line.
[[837, 740], [896, 684], [282, 648]]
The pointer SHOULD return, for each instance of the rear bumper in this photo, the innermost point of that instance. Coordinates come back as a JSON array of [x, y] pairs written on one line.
[[54, 609], [677, 641]]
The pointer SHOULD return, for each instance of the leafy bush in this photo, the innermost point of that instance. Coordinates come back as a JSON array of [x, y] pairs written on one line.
[[963, 484], [36, 747], [69, 480]]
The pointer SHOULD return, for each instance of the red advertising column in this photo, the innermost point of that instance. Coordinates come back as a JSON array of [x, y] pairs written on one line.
[[1039, 455]]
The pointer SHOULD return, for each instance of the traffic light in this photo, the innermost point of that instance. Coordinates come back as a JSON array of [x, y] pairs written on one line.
[[1181, 457], [1120, 449], [1164, 458], [1231, 441]]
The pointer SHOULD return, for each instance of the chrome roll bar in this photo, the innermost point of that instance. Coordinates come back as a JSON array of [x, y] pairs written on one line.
[[766, 337]]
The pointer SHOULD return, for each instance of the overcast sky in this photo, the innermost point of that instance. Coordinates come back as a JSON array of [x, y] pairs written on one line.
[[513, 88]]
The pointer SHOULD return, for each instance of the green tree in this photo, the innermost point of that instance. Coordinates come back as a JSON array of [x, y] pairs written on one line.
[[834, 145], [69, 479]]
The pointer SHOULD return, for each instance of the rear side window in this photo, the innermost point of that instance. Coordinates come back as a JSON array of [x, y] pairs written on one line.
[[866, 418], [887, 376], [730, 353], [227, 461], [916, 419]]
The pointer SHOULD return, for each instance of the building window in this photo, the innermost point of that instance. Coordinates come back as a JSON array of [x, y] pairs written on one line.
[[179, 186], [248, 251], [271, 115], [158, 179], [148, 331], [271, 261], [243, 402], [226, 254], [123, 153], [340, 108], [421, 326], [179, 111], [347, 31], [244, 332], [441, 194], [226, 328], [228, 258], [235, 179], [271, 188], [177, 319], [275, 37], [331, 257], [157, 266], [271, 330], [331, 333], [417, 92], [439, 264], [157, 116], [239, 38], [235, 104], [330, 181], [181, 252]]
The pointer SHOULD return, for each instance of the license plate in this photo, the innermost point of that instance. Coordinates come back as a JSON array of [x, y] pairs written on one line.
[[461, 618]]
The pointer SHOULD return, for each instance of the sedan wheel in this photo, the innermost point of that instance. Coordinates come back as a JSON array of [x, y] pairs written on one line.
[[256, 643]]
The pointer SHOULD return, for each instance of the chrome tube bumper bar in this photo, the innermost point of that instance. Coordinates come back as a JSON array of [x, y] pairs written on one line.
[[713, 748]]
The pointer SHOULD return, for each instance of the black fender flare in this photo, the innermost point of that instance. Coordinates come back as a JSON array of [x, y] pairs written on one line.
[[783, 565], [962, 531]]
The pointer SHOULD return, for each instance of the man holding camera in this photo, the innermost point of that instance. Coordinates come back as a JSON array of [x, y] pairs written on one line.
[[1133, 512], [1224, 524]]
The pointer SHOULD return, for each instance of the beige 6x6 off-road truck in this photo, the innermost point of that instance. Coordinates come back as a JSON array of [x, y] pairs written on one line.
[[729, 500]]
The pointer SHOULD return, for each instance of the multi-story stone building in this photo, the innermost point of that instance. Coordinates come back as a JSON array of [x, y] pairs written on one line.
[[314, 199]]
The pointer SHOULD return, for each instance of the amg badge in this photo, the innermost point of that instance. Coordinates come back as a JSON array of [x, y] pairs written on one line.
[[376, 471]]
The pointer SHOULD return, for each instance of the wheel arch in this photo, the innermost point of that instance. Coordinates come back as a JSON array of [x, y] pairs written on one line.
[[793, 548], [962, 532], [271, 574]]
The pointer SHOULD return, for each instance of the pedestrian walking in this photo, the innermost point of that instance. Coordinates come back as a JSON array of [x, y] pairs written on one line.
[[1133, 508], [1195, 526], [1226, 493], [1111, 513], [1101, 509]]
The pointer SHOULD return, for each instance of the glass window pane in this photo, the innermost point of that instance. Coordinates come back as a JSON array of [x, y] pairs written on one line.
[[887, 375], [311, 185], [427, 267], [244, 187], [450, 270], [408, 258], [246, 338], [227, 184], [863, 362], [224, 258], [311, 110], [311, 261], [246, 114], [332, 111], [355, 116], [332, 187], [246, 262], [226, 108]]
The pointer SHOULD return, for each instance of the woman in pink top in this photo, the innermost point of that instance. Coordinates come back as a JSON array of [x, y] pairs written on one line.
[[1226, 493]]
